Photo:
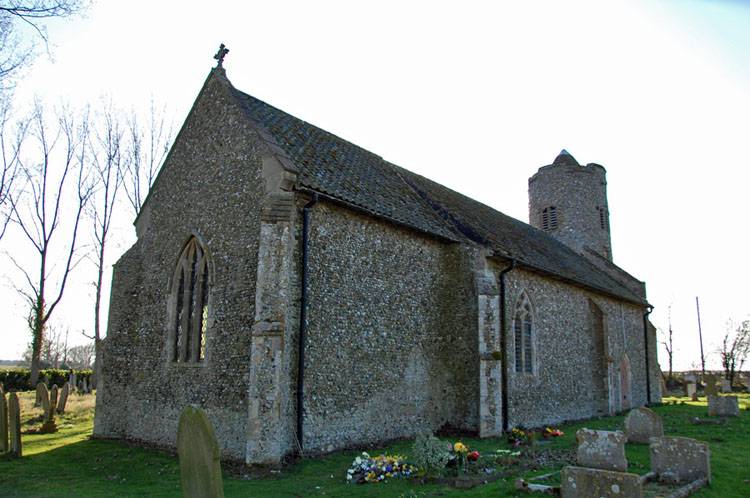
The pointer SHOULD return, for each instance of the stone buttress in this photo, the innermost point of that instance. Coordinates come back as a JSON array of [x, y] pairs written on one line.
[[490, 373], [270, 424]]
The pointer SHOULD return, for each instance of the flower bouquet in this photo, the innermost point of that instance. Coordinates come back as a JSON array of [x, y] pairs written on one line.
[[367, 469]]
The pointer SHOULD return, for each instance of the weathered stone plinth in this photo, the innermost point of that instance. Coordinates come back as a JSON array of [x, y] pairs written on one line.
[[642, 424], [680, 459], [601, 450], [579, 482]]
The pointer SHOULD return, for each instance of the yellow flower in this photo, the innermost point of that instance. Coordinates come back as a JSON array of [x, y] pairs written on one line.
[[459, 447]]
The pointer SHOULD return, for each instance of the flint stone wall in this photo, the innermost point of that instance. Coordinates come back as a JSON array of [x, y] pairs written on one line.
[[570, 388], [210, 186], [392, 332]]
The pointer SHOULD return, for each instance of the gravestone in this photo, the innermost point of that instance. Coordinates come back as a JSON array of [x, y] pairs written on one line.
[[680, 459], [710, 389], [85, 385], [42, 396], [72, 381], [601, 450], [198, 452], [14, 425], [642, 424], [49, 425], [692, 392], [64, 392], [726, 386], [579, 482], [723, 406], [41, 393], [3, 421]]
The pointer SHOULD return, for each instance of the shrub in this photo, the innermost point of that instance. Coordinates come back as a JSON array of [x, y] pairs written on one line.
[[17, 379], [430, 454]]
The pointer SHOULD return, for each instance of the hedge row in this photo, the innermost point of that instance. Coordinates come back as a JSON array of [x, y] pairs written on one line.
[[17, 379]]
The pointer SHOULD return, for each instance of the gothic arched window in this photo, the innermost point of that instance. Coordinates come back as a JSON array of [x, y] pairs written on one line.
[[523, 335], [189, 305], [549, 218]]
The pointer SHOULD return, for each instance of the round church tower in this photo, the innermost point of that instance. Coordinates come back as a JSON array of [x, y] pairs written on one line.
[[569, 201]]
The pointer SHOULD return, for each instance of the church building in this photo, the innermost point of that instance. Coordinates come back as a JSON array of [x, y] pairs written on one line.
[[310, 296]]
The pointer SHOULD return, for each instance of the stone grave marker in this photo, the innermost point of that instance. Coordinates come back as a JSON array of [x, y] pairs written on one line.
[[72, 380], [42, 396], [726, 386], [680, 459], [710, 381], [41, 392], [601, 450], [579, 482], [642, 424], [198, 452], [50, 407], [14, 425], [3, 422], [64, 392], [85, 385], [692, 392], [723, 406]]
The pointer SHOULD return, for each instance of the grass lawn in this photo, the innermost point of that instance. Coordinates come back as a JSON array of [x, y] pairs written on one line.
[[69, 463]]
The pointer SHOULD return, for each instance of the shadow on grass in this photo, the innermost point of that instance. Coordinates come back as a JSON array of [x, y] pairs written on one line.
[[91, 468]]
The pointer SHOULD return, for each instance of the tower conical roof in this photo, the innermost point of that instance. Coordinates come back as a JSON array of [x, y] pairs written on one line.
[[565, 158]]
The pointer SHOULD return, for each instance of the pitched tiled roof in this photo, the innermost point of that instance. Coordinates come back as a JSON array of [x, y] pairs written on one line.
[[343, 171]]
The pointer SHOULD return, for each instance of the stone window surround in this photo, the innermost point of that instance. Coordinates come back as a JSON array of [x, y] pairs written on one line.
[[524, 301], [171, 342]]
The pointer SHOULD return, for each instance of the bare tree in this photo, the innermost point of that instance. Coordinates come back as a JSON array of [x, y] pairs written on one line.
[[10, 147], [735, 348], [48, 213], [15, 51], [148, 148], [668, 344], [81, 357], [107, 167]]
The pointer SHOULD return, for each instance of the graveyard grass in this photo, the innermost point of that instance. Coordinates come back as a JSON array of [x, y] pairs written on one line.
[[69, 463]]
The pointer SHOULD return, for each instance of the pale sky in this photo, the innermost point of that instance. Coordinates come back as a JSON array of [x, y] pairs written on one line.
[[477, 96]]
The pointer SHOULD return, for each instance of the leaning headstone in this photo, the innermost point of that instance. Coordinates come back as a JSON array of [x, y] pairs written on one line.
[[726, 386], [642, 424], [723, 406], [64, 392], [680, 459], [198, 451], [692, 392], [579, 482], [710, 389], [601, 450], [14, 425], [3, 421]]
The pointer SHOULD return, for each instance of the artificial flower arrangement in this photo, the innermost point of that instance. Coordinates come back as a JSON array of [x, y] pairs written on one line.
[[462, 456], [549, 432], [367, 469], [506, 457], [519, 437]]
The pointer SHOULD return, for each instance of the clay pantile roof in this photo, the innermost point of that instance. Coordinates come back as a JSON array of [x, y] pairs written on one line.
[[345, 172]]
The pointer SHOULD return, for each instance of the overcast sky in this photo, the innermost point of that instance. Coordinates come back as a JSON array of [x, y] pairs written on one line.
[[477, 96]]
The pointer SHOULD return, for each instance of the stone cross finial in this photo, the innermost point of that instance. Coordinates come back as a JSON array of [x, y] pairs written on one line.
[[222, 52]]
